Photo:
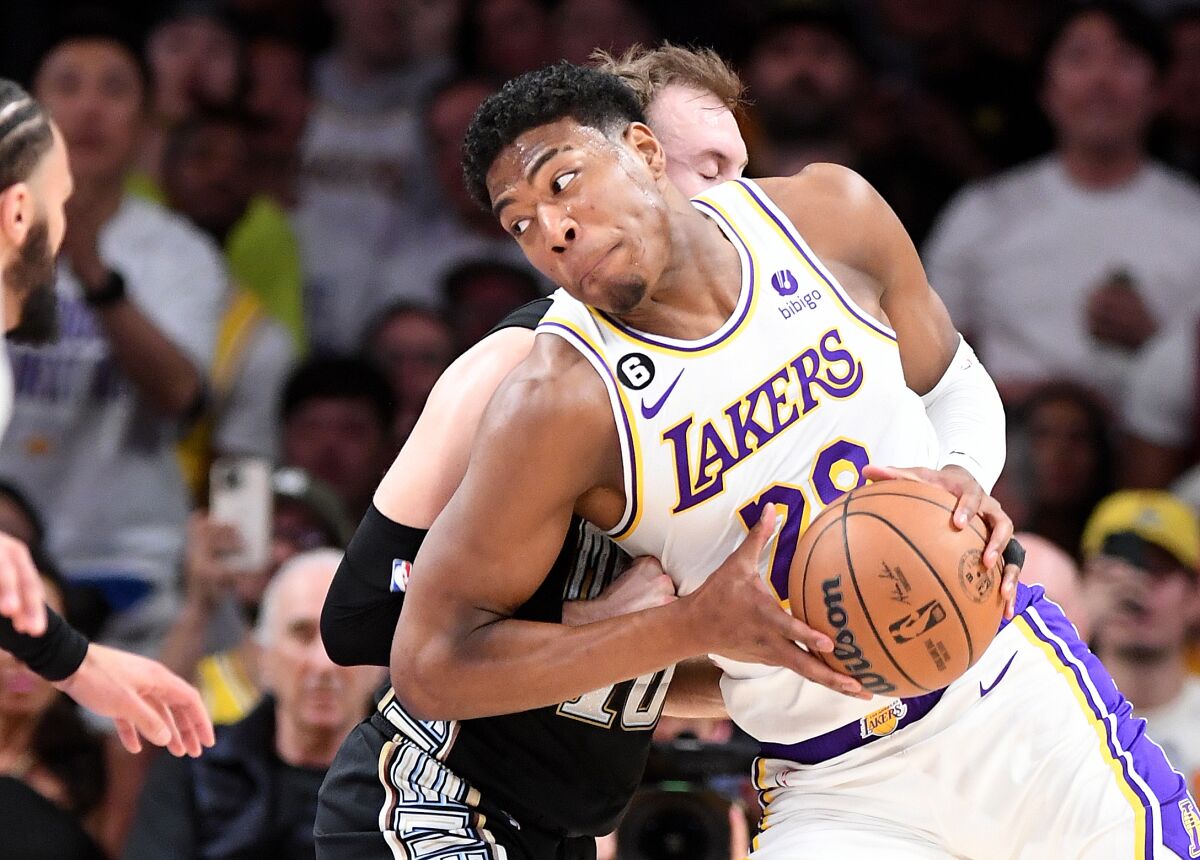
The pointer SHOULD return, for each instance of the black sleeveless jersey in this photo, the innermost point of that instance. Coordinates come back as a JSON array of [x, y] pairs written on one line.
[[570, 769]]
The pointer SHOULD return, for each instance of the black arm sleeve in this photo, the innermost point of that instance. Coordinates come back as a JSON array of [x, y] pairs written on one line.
[[54, 655], [363, 605]]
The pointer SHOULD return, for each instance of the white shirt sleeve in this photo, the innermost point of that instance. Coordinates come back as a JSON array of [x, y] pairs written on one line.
[[951, 255], [1160, 406], [180, 285], [246, 424]]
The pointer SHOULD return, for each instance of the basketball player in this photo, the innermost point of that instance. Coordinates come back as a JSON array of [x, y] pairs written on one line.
[[688, 336], [143, 697], [557, 774], [689, 96]]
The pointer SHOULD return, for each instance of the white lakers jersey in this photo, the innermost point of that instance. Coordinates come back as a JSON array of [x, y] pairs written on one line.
[[784, 403]]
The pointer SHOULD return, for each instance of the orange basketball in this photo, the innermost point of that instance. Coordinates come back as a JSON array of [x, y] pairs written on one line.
[[900, 590]]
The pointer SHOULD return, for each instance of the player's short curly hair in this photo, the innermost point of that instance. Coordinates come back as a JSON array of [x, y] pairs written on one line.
[[588, 96]]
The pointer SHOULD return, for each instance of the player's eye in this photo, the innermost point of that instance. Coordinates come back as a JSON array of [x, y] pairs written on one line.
[[519, 227], [561, 182]]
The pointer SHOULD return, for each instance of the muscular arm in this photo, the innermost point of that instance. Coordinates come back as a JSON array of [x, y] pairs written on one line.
[[854, 231], [433, 461], [547, 446], [695, 691], [857, 234], [361, 610], [541, 448]]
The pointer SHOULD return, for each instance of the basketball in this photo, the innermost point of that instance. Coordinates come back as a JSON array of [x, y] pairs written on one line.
[[902, 592]]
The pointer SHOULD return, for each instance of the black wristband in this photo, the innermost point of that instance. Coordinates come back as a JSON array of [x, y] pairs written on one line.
[[111, 292], [1014, 553], [54, 655]]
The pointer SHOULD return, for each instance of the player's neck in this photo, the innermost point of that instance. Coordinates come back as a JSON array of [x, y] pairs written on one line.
[[699, 288], [1101, 168], [1148, 682]]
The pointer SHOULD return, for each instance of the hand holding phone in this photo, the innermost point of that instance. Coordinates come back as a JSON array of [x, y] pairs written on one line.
[[240, 495]]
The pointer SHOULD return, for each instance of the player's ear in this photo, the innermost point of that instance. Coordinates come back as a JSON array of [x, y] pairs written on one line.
[[643, 142], [16, 213]]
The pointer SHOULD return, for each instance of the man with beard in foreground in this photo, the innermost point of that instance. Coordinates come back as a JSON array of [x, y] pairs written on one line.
[[143, 697]]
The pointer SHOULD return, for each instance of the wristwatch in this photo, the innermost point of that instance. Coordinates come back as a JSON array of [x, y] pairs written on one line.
[[110, 292]]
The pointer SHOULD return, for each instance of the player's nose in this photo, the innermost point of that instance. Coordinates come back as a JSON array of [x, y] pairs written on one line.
[[559, 228]]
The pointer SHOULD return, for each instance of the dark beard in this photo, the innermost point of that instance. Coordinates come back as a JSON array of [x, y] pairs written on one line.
[[31, 278], [623, 297]]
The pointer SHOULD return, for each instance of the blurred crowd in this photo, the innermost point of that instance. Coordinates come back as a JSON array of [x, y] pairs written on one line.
[[276, 185]]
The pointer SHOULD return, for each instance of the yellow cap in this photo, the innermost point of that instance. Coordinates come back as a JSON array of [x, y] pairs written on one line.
[[1155, 516]]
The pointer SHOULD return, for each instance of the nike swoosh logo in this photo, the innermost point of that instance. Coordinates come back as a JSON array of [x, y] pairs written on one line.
[[653, 409], [983, 691]]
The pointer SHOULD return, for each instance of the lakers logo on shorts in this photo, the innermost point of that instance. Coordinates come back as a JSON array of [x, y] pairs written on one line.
[[883, 722], [1191, 823]]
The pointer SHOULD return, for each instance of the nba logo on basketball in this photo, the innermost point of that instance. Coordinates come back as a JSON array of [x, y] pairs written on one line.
[[883, 722], [401, 570]]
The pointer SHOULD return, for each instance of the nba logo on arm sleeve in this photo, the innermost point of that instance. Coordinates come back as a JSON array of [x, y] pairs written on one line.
[[401, 570]]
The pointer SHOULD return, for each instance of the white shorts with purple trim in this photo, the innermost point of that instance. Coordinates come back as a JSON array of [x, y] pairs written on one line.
[[1033, 754]]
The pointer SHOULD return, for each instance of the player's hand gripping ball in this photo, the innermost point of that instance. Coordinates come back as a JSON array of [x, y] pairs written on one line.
[[900, 590]]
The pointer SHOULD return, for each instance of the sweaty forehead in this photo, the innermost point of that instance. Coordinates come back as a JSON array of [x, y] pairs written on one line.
[[518, 162]]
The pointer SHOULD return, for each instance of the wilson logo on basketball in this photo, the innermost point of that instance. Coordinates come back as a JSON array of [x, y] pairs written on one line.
[[883, 722], [975, 579], [845, 648]]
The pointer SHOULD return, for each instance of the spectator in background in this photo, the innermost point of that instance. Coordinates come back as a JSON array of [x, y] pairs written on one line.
[[412, 345], [1162, 412], [278, 98], [195, 58], [1181, 118], [1010, 30], [337, 426], [614, 26], [1065, 434], [1065, 266], [500, 39], [86, 605], [433, 29], [210, 640], [816, 99], [361, 191], [457, 230], [254, 794], [52, 768], [1053, 569], [971, 107], [1143, 550], [480, 293], [98, 413], [207, 177]]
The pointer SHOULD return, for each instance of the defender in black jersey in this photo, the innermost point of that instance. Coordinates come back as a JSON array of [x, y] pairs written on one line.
[[537, 784]]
